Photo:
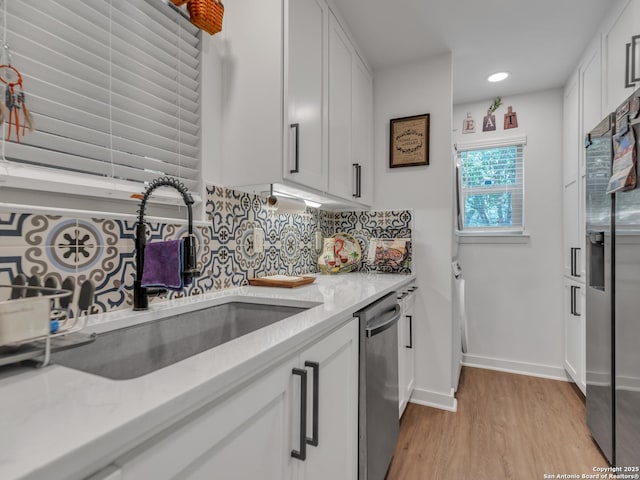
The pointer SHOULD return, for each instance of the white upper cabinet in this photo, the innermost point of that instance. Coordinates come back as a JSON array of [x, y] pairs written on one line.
[[297, 102], [350, 120], [571, 132], [590, 78], [626, 25], [306, 125], [340, 134], [252, 92], [362, 131]]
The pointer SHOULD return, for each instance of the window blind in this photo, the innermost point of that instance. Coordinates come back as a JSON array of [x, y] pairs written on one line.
[[113, 86], [492, 188]]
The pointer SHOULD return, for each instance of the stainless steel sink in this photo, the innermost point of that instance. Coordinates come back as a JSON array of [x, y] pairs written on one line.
[[135, 351]]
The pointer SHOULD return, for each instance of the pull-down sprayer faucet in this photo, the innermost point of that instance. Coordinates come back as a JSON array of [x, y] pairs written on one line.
[[140, 293]]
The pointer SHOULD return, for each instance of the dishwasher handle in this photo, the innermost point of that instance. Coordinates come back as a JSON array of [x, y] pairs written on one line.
[[375, 330]]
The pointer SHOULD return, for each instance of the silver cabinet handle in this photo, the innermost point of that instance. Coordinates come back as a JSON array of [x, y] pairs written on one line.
[[314, 440], [302, 453], [358, 180], [574, 301], [410, 317], [573, 263], [296, 166]]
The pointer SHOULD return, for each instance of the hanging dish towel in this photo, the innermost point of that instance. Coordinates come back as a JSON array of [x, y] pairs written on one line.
[[163, 265]]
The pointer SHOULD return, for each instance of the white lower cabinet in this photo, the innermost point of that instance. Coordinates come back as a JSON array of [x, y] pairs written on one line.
[[406, 355], [574, 332], [336, 453], [252, 433], [248, 435]]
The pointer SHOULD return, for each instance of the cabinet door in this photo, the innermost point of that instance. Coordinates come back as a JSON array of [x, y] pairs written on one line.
[[590, 79], [252, 96], [624, 27], [574, 335], [571, 132], [247, 435], [336, 453], [362, 128], [406, 355], [402, 368], [340, 106], [305, 128], [571, 224], [409, 346]]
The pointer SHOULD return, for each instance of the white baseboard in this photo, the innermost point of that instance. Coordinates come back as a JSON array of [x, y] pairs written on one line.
[[427, 398], [512, 366]]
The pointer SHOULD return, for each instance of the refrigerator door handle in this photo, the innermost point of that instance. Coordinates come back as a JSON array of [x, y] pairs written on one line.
[[576, 266]]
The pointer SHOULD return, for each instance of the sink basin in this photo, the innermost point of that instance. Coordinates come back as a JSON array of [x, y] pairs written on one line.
[[135, 351]]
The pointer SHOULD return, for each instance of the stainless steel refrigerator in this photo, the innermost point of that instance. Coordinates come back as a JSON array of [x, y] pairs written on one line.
[[613, 294]]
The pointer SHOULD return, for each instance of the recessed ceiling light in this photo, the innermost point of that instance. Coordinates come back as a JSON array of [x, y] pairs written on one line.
[[498, 76]]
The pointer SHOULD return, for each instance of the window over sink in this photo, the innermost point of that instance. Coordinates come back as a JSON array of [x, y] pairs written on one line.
[[114, 89]]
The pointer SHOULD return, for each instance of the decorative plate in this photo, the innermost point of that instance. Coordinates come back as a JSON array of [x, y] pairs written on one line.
[[341, 253], [392, 253]]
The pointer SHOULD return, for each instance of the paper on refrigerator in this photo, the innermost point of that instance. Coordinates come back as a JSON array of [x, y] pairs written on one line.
[[623, 170]]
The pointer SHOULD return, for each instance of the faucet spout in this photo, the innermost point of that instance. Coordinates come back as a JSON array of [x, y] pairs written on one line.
[[140, 294]]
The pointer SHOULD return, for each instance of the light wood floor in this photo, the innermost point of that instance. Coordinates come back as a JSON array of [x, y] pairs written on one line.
[[507, 427]]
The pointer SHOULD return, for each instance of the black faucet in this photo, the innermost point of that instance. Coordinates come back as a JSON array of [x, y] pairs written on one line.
[[140, 294]]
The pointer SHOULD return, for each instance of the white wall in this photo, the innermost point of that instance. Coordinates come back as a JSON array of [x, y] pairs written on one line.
[[514, 291], [412, 89]]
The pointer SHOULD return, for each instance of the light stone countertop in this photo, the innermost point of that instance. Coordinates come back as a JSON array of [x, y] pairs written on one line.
[[59, 423]]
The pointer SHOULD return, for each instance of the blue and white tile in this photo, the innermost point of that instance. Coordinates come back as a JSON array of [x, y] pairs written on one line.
[[12, 229]]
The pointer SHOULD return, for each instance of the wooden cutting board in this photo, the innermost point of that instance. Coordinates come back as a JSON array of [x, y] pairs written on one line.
[[281, 281]]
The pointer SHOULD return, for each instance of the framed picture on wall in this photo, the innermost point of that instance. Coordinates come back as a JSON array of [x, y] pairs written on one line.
[[409, 141]]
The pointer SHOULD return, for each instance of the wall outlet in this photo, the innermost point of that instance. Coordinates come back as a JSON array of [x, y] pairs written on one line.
[[258, 240], [319, 240]]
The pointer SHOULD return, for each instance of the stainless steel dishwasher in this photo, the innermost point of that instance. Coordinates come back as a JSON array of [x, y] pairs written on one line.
[[378, 424]]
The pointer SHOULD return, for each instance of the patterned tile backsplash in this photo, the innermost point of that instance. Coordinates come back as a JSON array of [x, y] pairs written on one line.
[[103, 250], [368, 225]]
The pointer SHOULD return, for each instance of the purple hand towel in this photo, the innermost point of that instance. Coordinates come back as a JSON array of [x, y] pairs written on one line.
[[163, 265]]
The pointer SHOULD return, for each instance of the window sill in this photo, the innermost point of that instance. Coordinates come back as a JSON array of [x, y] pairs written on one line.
[[493, 238], [41, 179]]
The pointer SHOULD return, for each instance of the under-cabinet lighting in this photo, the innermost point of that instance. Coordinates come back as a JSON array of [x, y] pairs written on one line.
[[312, 204]]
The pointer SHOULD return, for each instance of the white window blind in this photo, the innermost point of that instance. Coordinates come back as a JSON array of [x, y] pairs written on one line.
[[113, 86], [491, 187]]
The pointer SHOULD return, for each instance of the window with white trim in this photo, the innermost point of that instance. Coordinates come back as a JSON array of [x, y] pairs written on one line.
[[491, 188], [114, 89]]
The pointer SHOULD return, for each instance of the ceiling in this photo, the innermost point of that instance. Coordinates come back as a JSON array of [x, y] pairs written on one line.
[[538, 41]]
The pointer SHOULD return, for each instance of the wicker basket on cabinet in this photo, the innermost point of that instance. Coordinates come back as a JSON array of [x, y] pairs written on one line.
[[206, 14]]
